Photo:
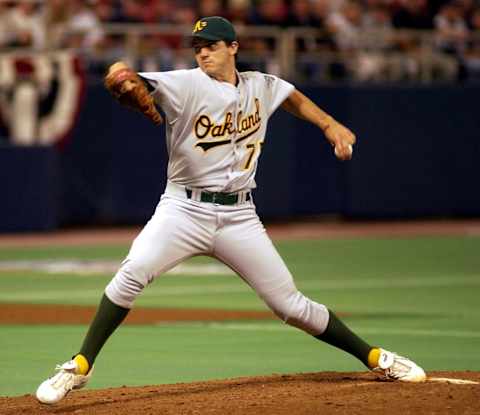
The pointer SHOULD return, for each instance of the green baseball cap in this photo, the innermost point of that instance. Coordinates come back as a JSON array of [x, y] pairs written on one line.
[[214, 28]]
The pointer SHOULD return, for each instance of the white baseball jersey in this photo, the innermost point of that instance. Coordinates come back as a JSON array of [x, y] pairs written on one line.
[[214, 136], [215, 130]]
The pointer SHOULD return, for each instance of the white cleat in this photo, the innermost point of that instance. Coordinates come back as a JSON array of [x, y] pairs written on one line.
[[54, 389], [395, 367]]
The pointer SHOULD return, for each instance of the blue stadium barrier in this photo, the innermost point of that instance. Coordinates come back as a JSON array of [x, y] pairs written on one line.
[[31, 183], [417, 156]]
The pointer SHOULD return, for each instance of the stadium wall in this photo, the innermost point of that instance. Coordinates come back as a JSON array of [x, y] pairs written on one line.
[[417, 156]]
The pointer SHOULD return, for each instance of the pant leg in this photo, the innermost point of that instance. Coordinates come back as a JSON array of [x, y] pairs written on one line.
[[177, 230], [244, 245]]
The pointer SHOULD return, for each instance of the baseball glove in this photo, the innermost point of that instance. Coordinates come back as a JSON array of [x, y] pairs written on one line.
[[128, 89]]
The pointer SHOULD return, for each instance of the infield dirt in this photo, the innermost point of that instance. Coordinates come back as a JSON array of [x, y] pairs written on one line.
[[302, 394]]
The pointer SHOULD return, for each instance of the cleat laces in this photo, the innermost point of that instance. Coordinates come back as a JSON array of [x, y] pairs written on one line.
[[63, 379], [396, 367]]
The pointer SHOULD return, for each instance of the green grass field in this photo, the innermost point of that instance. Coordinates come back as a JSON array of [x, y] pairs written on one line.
[[414, 296]]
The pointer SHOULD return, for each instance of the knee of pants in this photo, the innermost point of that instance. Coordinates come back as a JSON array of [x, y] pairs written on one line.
[[127, 284], [299, 311]]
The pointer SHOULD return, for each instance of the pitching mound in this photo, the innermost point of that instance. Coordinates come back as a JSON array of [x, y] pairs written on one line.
[[311, 393]]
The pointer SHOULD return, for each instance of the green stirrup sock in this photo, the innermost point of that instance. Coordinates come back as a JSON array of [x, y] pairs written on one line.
[[108, 318], [339, 335]]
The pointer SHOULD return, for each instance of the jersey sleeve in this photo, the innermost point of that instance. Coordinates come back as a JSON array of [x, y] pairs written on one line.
[[171, 90], [276, 90]]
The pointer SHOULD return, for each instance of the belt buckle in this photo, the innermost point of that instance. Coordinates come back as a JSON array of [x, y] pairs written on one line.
[[214, 197]]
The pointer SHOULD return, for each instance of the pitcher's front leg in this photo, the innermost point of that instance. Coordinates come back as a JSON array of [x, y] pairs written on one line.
[[248, 250]]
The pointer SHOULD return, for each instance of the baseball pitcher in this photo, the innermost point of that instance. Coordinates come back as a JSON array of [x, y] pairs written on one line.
[[216, 119]]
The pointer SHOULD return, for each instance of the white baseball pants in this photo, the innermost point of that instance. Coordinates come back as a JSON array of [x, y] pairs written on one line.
[[182, 228]]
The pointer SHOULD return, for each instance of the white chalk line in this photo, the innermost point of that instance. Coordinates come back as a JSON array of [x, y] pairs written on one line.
[[453, 381], [89, 267], [450, 381]]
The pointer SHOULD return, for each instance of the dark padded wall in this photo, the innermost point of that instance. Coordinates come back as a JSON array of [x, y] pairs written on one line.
[[417, 156], [31, 181]]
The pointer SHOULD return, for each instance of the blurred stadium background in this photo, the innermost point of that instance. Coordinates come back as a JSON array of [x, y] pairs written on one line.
[[403, 74]]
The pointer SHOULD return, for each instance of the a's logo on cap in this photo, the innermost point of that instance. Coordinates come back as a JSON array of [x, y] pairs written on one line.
[[199, 26]]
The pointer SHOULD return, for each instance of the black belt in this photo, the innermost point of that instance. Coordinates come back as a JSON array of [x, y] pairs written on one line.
[[218, 197]]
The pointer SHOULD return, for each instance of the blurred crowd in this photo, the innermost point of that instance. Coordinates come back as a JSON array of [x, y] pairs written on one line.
[[454, 45]]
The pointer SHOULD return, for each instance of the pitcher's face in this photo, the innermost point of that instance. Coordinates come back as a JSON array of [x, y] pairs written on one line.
[[214, 57]]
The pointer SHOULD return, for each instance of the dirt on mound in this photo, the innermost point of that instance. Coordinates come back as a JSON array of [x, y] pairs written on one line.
[[312, 393]]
